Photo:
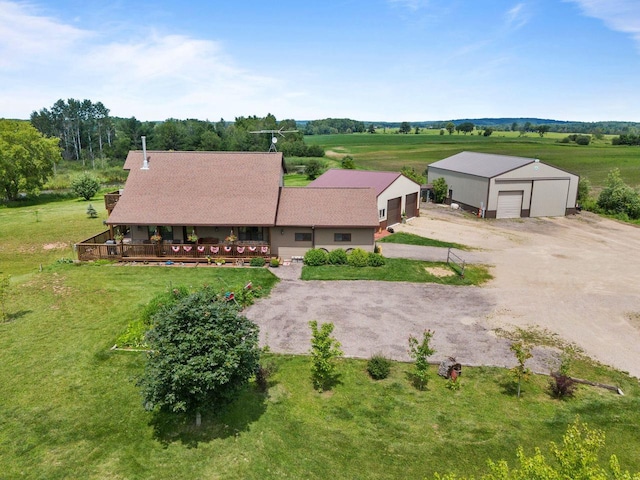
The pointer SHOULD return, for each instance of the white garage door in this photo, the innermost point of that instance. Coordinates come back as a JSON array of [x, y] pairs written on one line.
[[509, 204], [549, 198]]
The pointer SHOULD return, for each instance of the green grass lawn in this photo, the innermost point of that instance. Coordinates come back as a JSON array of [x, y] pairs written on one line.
[[411, 239], [392, 151], [399, 270], [70, 406]]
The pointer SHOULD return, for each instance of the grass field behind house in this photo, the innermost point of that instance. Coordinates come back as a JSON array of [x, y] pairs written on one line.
[[393, 151]]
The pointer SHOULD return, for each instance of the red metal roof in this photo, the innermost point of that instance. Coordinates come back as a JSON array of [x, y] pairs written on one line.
[[356, 178]]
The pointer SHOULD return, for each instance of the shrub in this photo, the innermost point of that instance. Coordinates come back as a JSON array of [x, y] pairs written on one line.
[[85, 185], [315, 257], [561, 386], [440, 190], [583, 140], [348, 163], [375, 260], [337, 257], [274, 262], [257, 262], [379, 367], [358, 258]]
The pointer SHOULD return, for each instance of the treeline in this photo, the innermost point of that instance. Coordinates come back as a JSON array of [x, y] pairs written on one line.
[[495, 124], [629, 139], [333, 125], [87, 132]]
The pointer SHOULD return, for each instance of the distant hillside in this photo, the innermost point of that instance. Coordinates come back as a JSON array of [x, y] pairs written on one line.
[[331, 125]]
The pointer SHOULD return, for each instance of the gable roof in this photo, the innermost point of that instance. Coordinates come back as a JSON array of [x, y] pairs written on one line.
[[481, 164], [200, 188], [335, 177], [327, 207]]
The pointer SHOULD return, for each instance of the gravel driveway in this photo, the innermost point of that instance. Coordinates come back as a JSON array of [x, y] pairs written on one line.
[[575, 276]]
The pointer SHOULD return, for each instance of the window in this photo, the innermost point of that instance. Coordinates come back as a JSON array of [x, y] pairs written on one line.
[[303, 237], [341, 237], [255, 234], [382, 212]]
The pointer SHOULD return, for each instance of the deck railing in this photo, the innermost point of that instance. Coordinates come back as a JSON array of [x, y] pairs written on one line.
[[96, 250]]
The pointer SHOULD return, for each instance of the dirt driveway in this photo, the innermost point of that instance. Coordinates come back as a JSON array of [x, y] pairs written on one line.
[[577, 276]]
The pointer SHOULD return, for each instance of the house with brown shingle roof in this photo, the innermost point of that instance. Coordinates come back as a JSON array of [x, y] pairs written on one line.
[[188, 206], [395, 193]]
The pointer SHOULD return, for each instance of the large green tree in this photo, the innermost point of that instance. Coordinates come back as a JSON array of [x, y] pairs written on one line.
[[202, 353], [27, 158]]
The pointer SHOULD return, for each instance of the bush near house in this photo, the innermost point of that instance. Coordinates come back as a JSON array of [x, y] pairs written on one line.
[[315, 257]]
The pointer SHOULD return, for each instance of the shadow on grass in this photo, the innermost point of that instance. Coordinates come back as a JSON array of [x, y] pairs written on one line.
[[226, 421], [416, 382], [42, 199], [329, 383], [12, 317]]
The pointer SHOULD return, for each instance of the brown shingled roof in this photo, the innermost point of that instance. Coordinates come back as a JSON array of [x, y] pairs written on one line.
[[327, 207], [200, 188]]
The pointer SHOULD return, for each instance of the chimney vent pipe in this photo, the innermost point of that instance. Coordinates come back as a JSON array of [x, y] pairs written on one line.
[[145, 163]]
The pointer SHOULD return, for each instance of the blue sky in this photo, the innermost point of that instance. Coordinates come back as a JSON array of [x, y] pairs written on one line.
[[392, 60]]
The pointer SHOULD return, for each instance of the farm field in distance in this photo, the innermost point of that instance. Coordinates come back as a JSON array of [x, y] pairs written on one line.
[[391, 151]]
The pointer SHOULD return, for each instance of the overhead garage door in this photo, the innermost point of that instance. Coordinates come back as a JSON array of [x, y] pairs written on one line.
[[394, 215], [549, 198], [411, 205], [509, 204]]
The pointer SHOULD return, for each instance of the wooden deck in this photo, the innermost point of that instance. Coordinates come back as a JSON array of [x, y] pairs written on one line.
[[95, 248]]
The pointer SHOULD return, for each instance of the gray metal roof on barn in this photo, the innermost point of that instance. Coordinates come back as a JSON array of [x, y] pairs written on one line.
[[481, 164]]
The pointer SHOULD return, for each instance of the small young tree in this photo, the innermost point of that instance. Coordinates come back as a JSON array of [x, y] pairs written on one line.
[[85, 185], [91, 212], [202, 353], [440, 190], [420, 351], [324, 350], [520, 372]]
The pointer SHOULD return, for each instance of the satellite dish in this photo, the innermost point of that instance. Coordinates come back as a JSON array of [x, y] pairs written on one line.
[[274, 140]]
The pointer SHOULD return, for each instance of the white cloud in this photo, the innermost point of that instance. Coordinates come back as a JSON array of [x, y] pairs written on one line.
[[26, 37], [412, 5], [517, 16], [152, 77], [619, 15]]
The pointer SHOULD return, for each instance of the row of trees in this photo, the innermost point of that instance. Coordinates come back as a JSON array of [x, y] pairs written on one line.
[[81, 125], [87, 132], [333, 125]]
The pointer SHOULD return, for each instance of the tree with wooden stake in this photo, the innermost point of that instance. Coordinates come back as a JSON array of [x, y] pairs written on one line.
[[420, 352], [520, 372], [324, 350]]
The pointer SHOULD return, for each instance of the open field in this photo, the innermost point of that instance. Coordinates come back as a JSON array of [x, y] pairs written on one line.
[[70, 408], [393, 151]]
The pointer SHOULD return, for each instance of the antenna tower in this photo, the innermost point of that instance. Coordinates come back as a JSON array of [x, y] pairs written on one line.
[[274, 139]]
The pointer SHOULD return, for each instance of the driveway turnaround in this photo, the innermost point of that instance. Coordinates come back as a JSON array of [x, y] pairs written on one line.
[[576, 277]]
